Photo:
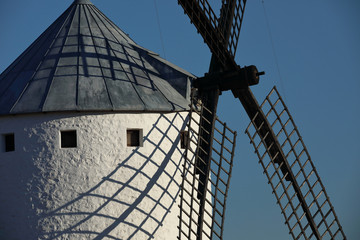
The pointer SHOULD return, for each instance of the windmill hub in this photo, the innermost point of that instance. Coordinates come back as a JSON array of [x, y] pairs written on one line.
[[235, 79]]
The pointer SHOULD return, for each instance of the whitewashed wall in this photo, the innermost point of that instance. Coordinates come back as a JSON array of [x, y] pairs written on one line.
[[100, 190]]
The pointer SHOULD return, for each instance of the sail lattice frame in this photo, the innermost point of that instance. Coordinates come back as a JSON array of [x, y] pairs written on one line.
[[220, 169], [295, 182], [212, 27]]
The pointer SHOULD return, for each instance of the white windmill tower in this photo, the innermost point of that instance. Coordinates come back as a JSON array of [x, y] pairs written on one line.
[[90, 127]]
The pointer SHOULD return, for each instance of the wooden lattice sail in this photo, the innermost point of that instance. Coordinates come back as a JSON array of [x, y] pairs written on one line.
[[205, 185], [292, 175]]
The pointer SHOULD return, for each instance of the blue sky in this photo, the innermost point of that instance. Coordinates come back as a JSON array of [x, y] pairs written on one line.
[[317, 48]]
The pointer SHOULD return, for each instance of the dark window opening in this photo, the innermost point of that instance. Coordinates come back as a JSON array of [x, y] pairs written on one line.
[[68, 139], [9, 142], [184, 136], [134, 137]]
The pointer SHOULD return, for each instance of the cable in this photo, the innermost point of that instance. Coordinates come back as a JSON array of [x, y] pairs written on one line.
[[273, 50], [159, 26]]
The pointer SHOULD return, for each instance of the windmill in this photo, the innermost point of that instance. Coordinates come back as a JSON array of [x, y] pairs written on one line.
[[127, 196], [291, 174]]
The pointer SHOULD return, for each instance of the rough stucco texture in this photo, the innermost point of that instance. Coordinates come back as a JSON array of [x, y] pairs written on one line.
[[100, 190]]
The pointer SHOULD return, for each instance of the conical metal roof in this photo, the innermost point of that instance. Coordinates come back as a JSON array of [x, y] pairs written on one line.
[[84, 62]]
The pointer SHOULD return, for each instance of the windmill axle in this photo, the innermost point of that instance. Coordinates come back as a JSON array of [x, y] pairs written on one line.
[[235, 79]]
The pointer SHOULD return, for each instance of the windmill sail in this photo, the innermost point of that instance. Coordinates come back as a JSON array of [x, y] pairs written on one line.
[[220, 34], [237, 8], [291, 173], [203, 210], [295, 182]]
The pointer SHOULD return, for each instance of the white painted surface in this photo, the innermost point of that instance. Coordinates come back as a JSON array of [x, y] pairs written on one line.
[[100, 190]]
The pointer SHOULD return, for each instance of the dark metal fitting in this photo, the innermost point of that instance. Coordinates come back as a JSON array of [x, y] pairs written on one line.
[[240, 78]]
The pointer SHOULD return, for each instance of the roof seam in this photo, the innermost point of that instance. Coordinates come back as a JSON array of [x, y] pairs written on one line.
[[131, 82], [101, 68], [73, 11], [98, 56], [121, 64], [48, 87], [115, 27], [78, 63], [97, 12]]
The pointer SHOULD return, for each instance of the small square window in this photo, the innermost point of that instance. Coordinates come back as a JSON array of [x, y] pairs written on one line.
[[184, 136], [9, 140], [134, 137], [68, 139]]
